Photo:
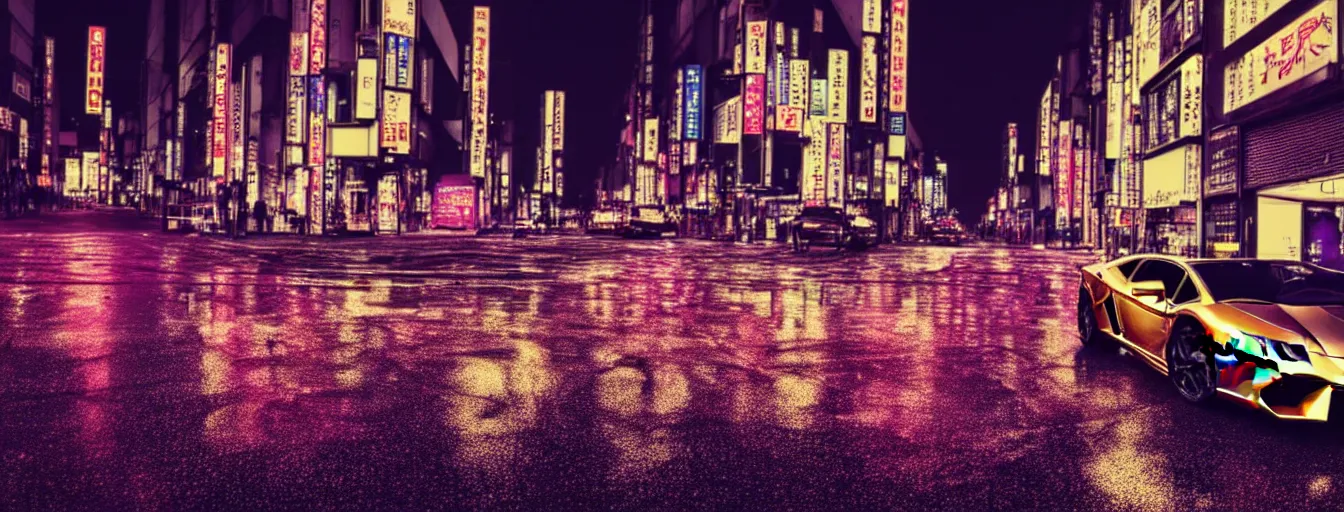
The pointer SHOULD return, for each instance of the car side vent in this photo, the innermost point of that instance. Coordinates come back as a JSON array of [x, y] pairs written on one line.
[[1109, 304]]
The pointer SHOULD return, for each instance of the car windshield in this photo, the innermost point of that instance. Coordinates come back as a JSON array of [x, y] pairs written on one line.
[[824, 213], [1278, 282]]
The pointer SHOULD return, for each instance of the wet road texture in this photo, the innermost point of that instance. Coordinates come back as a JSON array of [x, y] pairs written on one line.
[[149, 371]]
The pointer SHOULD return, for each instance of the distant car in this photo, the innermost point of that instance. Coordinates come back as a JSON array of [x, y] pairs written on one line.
[[640, 231], [1266, 333], [830, 227], [947, 236], [862, 232], [647, 223], [523, 228]]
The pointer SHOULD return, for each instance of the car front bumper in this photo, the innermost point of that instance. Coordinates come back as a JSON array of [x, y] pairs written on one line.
[[1307, 391]]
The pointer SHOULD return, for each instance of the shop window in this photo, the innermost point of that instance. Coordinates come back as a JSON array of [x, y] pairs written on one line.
[[1162, 110], [1180, 24], [1323, 242], [1221, 231], [1172, 231]]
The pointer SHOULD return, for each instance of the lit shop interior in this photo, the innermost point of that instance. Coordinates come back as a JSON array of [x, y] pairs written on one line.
[[1302, 221], [1170, 187]]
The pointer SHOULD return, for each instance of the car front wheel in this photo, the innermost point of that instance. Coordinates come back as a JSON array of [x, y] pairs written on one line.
[[1087, 319], [1191, 368]]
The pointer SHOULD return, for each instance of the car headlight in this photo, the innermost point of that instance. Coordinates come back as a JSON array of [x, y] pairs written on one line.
[[1263, 347]]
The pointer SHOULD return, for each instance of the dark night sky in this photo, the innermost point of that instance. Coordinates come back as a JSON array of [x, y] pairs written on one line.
[[69, 20], [975, 66], [590, 54]]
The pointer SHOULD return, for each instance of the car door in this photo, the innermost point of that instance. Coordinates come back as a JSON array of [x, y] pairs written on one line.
[[1145, 319]]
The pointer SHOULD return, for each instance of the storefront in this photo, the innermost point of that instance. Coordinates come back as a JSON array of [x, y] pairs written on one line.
[[1288, 102], [1302, 221], [1298, 185], [1170, 191]]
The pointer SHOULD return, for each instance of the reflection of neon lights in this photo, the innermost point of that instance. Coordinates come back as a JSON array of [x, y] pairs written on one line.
[[1210, 348]]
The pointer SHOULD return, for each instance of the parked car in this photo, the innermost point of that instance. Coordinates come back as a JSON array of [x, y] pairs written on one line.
[[830, 227], [1265, 333]]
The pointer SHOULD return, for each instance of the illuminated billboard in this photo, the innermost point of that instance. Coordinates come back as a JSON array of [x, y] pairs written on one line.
[[1310, 43], [694, 97], [295, 110], [317, 37], [868, 81], [813, 185], [799, 75], [897, 51], [872, 16], [1240, 16], [755, 49], [222, 106], [399, 17], [398, 61], [753, 106], [317, 121], [298, 53], [236, 133], [651, 140], [558, 122], [74, 178], [480, 88], [396, 129], [838, 103], [788, 119], [49, 53], [547, 156], [818, 98], [454, 206], [93, 87], [366, 95], [835, 164], [728, 121], [90, 169]]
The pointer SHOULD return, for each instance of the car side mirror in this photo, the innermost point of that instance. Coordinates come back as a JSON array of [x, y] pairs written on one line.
[[1149, 289]]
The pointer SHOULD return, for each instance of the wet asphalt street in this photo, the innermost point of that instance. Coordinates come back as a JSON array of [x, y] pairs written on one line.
[[142, 371]]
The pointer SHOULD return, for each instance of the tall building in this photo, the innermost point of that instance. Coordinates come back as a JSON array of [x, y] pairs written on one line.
[[19, 111], [1065, 146], [328, 115], [1169, 65]]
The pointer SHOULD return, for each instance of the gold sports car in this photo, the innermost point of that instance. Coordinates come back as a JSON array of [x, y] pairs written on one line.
[[1267, 333]]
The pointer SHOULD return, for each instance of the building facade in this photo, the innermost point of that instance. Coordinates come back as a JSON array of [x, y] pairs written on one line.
[[1273, 181], [311, 116], [1218, 128], [744, 112], [21, 107]]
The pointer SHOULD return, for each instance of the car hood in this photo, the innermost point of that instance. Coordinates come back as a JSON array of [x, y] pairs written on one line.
[[1325, 324]]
